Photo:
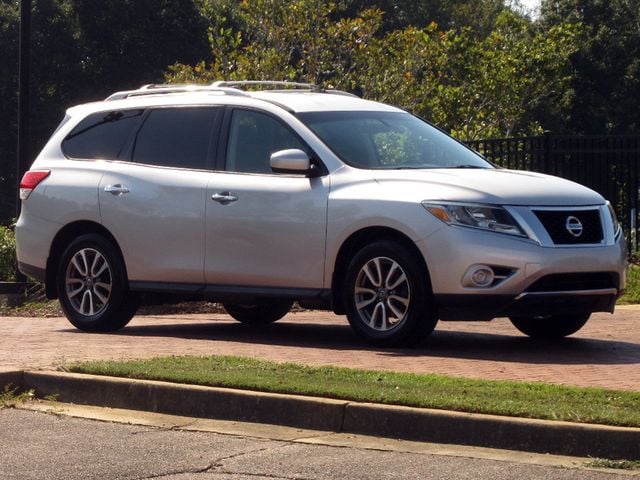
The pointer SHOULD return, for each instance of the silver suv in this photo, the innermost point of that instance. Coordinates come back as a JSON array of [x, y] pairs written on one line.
[[259, 198]]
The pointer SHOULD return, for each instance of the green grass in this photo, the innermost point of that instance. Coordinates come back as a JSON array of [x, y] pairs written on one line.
[[45, 309], [531, 400], [632, 292], [9, 396], [616, 464]]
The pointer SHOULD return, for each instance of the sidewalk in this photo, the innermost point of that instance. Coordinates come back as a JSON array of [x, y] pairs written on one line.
[[605, 353]]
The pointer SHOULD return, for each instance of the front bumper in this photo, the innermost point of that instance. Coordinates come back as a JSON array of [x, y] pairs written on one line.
[[486, 307], [539, 280]]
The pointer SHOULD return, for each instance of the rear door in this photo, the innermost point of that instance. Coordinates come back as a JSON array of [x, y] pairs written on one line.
[[154, 204]]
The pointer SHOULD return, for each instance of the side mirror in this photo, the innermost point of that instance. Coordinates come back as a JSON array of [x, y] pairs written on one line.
[[290, 161]]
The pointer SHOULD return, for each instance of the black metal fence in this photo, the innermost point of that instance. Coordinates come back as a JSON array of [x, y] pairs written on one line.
[[607, 164]]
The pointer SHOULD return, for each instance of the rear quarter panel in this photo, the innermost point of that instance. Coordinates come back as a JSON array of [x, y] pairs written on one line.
[[67, 195]]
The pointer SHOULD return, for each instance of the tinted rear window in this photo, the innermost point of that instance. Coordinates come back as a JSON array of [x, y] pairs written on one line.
[[175, 137], [101, 135]]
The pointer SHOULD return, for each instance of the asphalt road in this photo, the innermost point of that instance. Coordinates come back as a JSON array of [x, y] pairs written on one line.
[[50, 447]]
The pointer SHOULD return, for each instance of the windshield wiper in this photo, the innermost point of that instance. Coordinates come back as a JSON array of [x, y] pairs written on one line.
[[406, 167], [469, 166]]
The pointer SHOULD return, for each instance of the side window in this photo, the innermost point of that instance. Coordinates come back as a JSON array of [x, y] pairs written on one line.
[[253, 137], [101, 135], [175, 137]]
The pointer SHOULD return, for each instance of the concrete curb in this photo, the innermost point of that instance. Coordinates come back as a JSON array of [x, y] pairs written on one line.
[[189, 400], [11, 379], [530, 435], [438, 426]]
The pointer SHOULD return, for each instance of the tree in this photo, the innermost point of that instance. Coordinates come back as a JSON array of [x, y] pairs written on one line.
[[479, 15], [475, 67], [472, 86], [125, 43], [502, 79], [83, 50], [607, 65], [9, 22], [272, 40]]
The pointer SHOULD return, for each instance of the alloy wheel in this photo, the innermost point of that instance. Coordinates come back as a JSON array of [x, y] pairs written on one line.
[[382, 294], [88, 282]]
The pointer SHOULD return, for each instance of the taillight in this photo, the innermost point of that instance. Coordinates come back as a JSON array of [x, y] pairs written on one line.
[[30, 180]]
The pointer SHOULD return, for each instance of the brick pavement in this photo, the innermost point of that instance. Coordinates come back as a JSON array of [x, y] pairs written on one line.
[[605, 353]]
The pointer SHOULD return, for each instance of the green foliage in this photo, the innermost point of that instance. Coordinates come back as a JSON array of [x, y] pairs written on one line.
[[7, 254], [614, 464], [472, 85], [37, 308], [10, 396], [400, 14], [632, 290], [273, 40], [504, 77], [475, 67], [606, 81], [83, 50], [9, 21]]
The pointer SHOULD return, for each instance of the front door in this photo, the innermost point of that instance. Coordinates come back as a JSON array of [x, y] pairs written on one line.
[[264, 229]]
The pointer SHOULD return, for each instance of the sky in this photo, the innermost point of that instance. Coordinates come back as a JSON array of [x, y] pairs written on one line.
[[531, 6]]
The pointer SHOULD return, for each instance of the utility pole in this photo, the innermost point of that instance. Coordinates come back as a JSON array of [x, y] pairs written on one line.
[[24, 68]]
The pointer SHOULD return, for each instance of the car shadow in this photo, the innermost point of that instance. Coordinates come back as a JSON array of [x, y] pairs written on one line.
[[518, 348], [442, 343]]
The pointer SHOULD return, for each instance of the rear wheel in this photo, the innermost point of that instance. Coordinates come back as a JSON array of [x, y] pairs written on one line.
[[387, 295], [551, 326], [93, 287], [260, 312]]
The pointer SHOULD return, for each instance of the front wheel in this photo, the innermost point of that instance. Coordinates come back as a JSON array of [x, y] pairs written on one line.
[[551, 326], [387, 295], [260, 312], [93, 287]]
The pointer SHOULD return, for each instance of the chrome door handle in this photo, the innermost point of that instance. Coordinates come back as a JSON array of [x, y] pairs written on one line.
[[224, 198], [116, 189]]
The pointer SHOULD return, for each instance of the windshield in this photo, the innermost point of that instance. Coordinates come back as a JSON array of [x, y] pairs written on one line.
[[389, 140]]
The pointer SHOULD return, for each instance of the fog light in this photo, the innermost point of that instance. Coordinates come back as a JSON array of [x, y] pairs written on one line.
[[482, 276]]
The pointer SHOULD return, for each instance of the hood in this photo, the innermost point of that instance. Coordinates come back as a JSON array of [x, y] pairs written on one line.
[[494, 186]]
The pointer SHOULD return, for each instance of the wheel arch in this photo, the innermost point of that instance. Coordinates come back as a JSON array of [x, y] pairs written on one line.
[[355, 242], [62, 240]]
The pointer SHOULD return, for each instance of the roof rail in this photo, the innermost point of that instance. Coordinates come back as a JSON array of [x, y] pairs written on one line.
[[287, 86], [269, 83], [156, 89], [222, 86]]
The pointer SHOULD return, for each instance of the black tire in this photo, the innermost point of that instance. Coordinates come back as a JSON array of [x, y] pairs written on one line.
[[551, 326], [259, 312], [392, 305], [92, 284]]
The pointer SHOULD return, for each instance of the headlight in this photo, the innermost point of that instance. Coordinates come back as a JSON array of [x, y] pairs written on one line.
[[614, 220], [484, 217]]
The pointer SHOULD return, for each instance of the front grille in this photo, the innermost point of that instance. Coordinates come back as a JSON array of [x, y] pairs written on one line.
[[562, 282], [555, 222]]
